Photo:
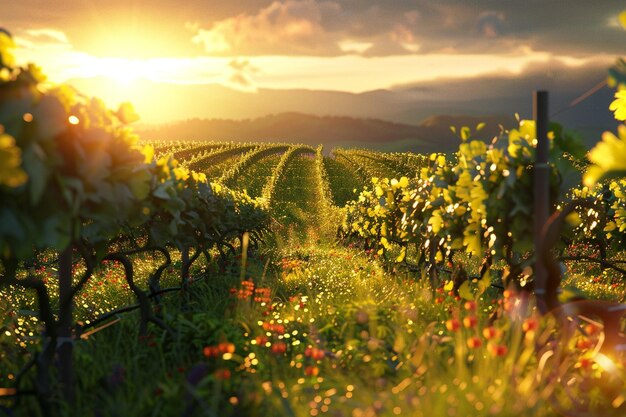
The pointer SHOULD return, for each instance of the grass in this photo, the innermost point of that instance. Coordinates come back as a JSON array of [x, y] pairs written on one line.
[[311, 327]]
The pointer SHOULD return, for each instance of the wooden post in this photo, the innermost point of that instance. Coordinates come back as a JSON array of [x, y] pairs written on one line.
[[65, 344], [541, 191]]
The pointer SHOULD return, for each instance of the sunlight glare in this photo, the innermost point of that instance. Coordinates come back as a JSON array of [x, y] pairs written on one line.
[[605, 362], [123, 70]]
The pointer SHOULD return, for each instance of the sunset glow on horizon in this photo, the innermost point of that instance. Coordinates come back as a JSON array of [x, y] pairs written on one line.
[[119, 51]]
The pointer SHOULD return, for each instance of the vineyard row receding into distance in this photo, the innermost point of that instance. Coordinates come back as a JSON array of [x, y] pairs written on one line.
[[222, 278]]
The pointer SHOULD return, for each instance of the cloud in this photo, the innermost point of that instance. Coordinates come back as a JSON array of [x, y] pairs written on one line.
[[336, 27], [491, 24], [291, 27], [350, 46], [242, 75], [323, 27], [42, 38], [48, 35]]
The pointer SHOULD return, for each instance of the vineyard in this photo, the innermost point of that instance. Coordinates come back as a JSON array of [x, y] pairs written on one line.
[[195, 278]]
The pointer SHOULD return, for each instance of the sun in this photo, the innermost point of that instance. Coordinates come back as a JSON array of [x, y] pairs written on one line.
[[122, 70], [123, 52]]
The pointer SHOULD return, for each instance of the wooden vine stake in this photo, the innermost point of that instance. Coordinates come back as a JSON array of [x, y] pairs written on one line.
[[65, 344], [245, 240], [541, 190]]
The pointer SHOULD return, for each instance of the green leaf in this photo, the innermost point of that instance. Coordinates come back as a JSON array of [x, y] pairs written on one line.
[[126, 113], [173, 228], [485, 282], [11, 172], [472, 243], [402, 255], [161, 193], [7, 60], [139, 184], [608, 157], [465, 291], [618, 106], [37, 172], [10, 225], [465, 133]]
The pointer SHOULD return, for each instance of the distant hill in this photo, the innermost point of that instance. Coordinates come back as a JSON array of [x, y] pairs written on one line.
[[432, 135], [401, 117]]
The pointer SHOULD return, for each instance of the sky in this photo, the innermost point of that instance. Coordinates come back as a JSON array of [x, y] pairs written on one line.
[[348, 46]]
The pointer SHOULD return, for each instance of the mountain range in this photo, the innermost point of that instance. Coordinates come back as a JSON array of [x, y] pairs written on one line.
[[432, 135], [405, 117]]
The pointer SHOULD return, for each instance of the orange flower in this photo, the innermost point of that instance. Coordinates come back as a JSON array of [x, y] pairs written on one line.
[[584, 363], [470, 321], [211, 351], [279, 348], [591, 329], [470, 305], [474, 342], [530, 324], [226, 347], [311, 371], [261, 340], [223, 374], [498, 350], [315, 353], [453, 325], [491, 332]]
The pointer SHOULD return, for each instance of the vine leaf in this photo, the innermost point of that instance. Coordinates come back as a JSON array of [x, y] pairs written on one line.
[[608, 157], [465, 291]]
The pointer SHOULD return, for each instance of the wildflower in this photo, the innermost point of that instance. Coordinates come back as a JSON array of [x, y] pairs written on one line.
[[453, 325], [223, 374], [474, 342], [315, 353], [490, 332], [530, 324], [470, 321], [261, 340], [591, 329], [584, 363], [211, 351], [279, 348], [470, 305], [226, 347], [311, 371], [498, 350]]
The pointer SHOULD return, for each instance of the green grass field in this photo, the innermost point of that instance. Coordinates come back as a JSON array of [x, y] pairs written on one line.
[[304, 325]]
